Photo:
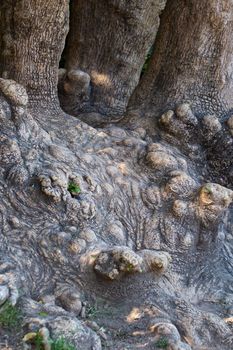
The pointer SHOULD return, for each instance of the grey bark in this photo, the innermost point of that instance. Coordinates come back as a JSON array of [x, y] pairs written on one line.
[[141, 223], [108, 41], [31, 46], [148, 235], [192, 61]]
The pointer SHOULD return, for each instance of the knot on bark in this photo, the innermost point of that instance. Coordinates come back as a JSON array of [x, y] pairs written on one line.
[[75, 82], [120, 261], [213, 199], [14, 92]]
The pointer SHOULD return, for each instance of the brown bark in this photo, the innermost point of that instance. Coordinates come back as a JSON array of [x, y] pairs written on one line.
[[33, 34], [192, 61], [109, 41]]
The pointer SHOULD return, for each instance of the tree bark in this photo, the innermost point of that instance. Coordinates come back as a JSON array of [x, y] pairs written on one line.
[[192, 61], [109, 41], [95, 220], [32, 40]]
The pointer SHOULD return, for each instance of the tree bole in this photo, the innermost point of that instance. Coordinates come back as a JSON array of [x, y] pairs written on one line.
[[32, 39], [192, 61], [130, 227], [108, 41]]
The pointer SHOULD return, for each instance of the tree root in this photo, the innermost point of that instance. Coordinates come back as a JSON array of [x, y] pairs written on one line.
[[114, 211]]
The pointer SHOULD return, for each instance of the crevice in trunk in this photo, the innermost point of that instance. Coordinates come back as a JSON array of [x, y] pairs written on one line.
[[150, 233], [63, 59], [147, 61], [192, 61], [103, 69]]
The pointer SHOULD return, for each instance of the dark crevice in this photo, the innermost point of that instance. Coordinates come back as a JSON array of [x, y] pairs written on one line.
[[63, 58], [62, 62], [147, 61]]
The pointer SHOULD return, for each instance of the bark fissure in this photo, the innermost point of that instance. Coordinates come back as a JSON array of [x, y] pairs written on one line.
[[103, 69]]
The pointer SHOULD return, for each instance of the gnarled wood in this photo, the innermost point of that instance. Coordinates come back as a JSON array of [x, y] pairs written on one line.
[[142, 222]]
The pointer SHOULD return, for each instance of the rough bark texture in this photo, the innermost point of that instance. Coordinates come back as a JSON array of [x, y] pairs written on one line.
[[147, 236], [192, 61], [111, 237], [31, 46], [106, 49]]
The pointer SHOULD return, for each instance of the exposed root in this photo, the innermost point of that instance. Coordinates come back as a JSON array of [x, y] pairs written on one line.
[[114, 212]]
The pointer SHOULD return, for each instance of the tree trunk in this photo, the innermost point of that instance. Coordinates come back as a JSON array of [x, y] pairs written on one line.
[[108, 223], [108, 41], [192, 61], [33, 34]]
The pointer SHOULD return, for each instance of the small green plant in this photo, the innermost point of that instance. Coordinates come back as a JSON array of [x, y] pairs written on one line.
[[58, 344], [207, 189], [38, 340], [162, 343], [10, 316], [121, 333], [61, 344], [99, 309], [43, 314], [73, 188], [129, 267], [92, 311], [147, 61]]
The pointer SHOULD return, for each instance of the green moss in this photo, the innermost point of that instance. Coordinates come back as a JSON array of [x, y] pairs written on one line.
[[162, 343], [61, 344], [207, 189], [130, 267], [147, 61], [43, 314], [73, 188], [58, 344], [39, 342], [10, 316]]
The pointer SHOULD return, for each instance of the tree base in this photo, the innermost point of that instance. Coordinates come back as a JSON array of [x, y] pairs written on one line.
[[90, 220]]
